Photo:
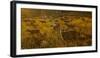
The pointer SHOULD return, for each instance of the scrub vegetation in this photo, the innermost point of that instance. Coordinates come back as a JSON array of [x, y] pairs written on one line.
[[42, 28]]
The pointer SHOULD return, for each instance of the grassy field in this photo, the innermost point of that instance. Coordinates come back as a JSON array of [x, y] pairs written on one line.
[[55, 28]]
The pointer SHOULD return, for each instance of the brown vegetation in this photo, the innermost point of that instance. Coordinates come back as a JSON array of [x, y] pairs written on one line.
[[55, 28]]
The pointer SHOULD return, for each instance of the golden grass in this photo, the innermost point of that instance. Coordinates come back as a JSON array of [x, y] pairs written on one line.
[[55, 28]]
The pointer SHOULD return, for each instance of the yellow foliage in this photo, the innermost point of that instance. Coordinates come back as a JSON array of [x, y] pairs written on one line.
[[46, 29]]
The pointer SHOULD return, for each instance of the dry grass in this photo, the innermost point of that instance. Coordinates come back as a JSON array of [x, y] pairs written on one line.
[[55, 28]]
